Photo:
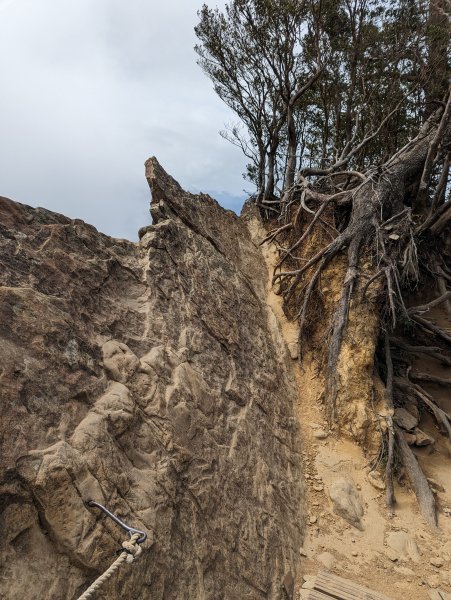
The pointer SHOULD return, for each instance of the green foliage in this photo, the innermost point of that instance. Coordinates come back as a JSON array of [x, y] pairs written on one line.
[[372, 55]]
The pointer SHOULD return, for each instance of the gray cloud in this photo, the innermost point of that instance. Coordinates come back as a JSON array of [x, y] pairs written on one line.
[[90, 89]]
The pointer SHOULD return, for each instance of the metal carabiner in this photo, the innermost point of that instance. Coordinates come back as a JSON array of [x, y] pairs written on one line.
[[129, 530]]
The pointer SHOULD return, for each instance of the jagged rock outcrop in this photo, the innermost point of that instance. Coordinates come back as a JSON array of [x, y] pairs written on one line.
[[152, 378]]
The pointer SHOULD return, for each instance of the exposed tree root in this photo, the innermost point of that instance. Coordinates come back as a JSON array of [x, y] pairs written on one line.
[[339, 324], [370, 216], [432, 351], [390, 494], [418, 376], [442, 418], [418, 481], [443, 290], [370, 281], [427, 307], [431, 327]]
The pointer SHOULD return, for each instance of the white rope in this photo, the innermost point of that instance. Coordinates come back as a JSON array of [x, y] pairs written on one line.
[[130, 553]]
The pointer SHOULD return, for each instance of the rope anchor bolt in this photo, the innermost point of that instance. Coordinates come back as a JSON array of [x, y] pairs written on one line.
[[130, 551], [130, 530]]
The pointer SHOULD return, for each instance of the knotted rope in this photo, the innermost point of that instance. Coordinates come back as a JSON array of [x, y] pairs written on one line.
[[131, 551]]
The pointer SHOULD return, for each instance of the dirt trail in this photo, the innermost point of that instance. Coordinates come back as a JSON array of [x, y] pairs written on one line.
[[372, 556]]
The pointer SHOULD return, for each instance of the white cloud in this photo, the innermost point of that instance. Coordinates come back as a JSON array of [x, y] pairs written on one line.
[[90, 89]]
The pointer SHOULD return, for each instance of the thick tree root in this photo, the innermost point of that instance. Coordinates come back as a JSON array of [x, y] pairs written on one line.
[[431, 327], [418, 376], [427, 307], [418, 481], [390, 494], [432, 351]]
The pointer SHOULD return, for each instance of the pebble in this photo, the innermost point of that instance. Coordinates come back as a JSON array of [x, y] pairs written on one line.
[[318, 488], [354, 553], [320, 434], [376, 480], [312, 519], [436, 562]]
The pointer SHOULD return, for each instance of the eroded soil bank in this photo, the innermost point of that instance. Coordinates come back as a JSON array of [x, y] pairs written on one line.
[[394, 554]]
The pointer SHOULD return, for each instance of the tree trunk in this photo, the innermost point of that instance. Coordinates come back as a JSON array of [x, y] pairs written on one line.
[[261, 175], [270, 182], [291, 150], [437, 72]]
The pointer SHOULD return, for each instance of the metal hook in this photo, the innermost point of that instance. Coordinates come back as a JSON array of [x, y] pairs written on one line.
[[129, 530]]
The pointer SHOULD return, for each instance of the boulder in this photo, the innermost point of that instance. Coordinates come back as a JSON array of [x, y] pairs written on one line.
[[403, 545], [347, 502]]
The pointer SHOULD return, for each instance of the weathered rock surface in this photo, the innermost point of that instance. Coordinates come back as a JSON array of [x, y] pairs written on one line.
[[347, 502], [405, 419], [152, 378], [404, 545]]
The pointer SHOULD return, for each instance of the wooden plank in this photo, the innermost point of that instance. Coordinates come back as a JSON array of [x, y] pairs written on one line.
[[314, 595], [340, 590], [343, 589]]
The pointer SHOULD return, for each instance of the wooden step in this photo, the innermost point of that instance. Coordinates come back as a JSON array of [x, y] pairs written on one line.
[[314, 595], [328, 587]]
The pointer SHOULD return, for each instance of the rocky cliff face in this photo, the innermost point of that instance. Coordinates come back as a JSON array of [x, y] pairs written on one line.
[[151, 378]]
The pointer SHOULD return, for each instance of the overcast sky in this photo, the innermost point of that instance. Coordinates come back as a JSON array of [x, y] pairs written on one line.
[[89, 90]]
